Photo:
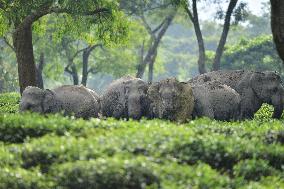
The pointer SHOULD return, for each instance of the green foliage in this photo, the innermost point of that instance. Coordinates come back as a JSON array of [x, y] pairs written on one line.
[[109, 173], [22, 179], [53, 151], [9, 102], [253, 54], [253, 169]]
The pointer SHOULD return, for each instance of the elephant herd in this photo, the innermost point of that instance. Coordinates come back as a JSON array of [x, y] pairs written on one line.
[[220, 95]]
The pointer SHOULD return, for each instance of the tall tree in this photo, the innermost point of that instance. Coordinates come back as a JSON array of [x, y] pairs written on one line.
[[156, 16], [277, 25], [72, 52], [20, 16], [223, 38], [156, 36], [190, 7]]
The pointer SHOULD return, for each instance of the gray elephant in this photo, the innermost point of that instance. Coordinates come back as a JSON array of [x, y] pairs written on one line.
[[171, 99], [255, 88], [216, 101], [72, 100], [125, 98]]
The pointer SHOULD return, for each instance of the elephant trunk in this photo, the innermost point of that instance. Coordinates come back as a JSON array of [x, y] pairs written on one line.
[[278, 110], [278, 103], [134, 107]]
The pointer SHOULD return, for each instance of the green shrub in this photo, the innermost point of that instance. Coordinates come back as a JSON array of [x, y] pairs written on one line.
[[9, 103], [7, 158], [160, 142], [200, 154], [11, 178], [110, 173], [16, 128], [270, 182], [265, 113], [253, 169], [177, 176]]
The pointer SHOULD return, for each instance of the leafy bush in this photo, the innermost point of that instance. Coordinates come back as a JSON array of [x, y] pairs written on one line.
[[23, 179], [253, 169], [110, 173], [9, 103], [159, 140], [59, 152], [7, 158]]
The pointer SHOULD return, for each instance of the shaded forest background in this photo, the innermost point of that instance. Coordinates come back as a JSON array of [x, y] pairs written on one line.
[[153, 41]]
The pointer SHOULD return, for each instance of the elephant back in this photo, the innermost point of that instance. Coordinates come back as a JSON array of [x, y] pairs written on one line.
[[78, 100]]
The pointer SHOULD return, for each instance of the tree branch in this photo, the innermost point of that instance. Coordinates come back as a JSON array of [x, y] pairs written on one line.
[[9, 44], [189, 14], [28, 20], [93, 70], [67, 69], [145, 23], [91, 48], [159, 26]]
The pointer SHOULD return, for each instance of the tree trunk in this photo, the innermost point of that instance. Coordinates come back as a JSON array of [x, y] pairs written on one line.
[[75, 75], [201, 47], [143, 62], [277, 25], [223, 39], [152, 52], [151, 68], [86, 70], [39, 71], [1, 74], [86, 55], [22, 41]]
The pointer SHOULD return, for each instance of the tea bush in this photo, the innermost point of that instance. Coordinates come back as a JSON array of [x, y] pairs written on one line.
[[9, 102], [52, 151]]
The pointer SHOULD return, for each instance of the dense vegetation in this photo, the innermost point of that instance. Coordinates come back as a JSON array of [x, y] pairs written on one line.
[[47, 151]]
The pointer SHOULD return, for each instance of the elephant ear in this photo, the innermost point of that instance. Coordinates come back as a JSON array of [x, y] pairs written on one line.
[[154, 98], [186, 88], [50, 104], [186, 92]]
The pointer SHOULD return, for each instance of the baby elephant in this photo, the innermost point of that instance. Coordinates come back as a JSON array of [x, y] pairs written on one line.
[[77, 100], [171, 99], [125, 98], [216, 101]]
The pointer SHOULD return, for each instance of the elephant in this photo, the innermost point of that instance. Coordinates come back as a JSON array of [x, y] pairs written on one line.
[[216, 101], [70, 99], [171, 99], [277, 25], [255, 88], [125, 98]]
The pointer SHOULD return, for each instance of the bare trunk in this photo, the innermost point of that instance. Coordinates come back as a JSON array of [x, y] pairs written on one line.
[[75, 75], [150, 73], [277, 25], [72, 70], [39, 71], [201, 47], [85, 72], [22, 41], [223, 39], [1, 74]]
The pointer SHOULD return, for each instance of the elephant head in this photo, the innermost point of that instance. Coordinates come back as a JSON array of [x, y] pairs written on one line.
[[166, 97], [136, 100], [37, 100], [268, 88]]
